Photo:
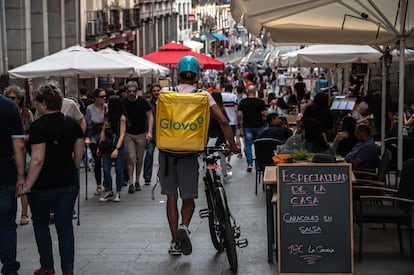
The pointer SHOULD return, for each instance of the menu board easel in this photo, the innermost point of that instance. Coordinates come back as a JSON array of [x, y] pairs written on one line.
[[314, 219]]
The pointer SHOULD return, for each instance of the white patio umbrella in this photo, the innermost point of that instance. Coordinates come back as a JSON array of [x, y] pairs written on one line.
[[194, 45], [74, 61], [328, 54], [142, 66], [365, 22]]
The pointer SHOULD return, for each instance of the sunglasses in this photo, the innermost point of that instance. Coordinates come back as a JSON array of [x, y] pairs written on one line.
[[12, 97], [102, 96], [132, 91]]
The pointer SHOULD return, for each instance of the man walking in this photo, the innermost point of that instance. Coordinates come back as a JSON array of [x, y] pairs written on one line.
[[12, 162], [179, 173], [230, 105], [150, 147], [251, 110], [140, 117]]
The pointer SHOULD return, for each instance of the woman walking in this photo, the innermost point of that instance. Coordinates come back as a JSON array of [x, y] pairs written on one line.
[[115, 127], [57, 148], [16, 94], [95, 119]]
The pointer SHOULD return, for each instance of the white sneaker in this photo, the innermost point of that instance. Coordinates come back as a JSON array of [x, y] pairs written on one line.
[[183, 236], [107, 197], [117, 198], [228, 176]]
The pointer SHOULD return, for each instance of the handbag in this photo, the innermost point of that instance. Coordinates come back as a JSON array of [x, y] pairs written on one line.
[[109, 143]]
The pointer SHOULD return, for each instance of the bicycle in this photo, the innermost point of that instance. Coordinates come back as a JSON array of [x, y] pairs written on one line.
[[224, 232]]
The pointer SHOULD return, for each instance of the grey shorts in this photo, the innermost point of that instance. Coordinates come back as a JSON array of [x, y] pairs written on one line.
[[179, 174]]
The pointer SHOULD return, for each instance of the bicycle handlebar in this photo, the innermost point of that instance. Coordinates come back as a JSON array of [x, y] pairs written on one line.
[[223, 148]]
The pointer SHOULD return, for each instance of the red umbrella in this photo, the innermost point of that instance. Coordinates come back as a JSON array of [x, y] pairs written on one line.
[[172, 46], [169, 57]]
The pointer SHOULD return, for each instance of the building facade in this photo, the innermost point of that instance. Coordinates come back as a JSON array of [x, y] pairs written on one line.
[[31, 29]]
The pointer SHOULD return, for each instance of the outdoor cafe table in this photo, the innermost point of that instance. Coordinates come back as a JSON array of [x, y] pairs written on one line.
[[270, 181]]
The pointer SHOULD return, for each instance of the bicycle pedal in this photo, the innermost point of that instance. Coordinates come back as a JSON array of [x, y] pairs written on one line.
[[242, 243], [237, 232], [204, 213]]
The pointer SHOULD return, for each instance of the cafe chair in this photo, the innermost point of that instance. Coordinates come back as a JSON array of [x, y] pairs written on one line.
[[408, 152], [374, 204], [264, 151], [378, 177]]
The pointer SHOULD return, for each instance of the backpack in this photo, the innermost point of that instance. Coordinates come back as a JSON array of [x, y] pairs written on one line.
[[80, 103], [182, 121]]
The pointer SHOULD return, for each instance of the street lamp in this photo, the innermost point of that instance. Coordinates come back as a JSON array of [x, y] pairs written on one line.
[[387, 58], [203, 39]]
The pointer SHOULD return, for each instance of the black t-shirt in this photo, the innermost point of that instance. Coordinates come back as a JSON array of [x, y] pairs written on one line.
[[300, 90], [11, 127], [375, 101], [137, 114], [85, 102], [59, 133], [323, 115], [214, 129], [274, 132], [252, 109]]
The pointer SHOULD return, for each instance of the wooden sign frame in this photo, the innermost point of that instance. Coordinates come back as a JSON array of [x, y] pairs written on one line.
[[307, 255]]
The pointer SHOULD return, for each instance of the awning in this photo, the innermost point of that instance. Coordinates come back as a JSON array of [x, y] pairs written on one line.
[[194, 45], [220, 36], [208, 36]]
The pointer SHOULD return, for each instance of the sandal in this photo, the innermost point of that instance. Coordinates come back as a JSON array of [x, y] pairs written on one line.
[[24, 220], [98, 191]]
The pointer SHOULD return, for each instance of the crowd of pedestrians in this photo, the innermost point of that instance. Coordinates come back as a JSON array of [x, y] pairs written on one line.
[[246, 103]]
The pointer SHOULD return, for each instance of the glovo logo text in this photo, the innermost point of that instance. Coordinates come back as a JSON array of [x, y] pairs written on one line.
[[166, 124]]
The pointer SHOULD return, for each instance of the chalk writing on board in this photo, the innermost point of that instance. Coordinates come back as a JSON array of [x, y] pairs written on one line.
[[313, 229], [304, 201], [288, 218], [310, 259], [312, 214], [327, 218], [319, 249], [298, 178]]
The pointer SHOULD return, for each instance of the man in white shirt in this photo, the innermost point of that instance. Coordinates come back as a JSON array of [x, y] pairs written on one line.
[[230, 105], [282, 82]]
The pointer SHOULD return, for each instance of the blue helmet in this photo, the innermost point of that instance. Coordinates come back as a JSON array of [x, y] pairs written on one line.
[[188, 64]]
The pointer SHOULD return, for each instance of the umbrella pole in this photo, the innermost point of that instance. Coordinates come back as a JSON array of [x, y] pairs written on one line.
[[345, 90], [401, 106], [383, 104]]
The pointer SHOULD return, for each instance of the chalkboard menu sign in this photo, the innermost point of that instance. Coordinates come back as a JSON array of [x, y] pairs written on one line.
[[314, 219], [359, 68]]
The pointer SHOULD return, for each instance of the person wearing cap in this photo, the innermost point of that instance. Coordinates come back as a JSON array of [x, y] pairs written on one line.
[[139, 114], [186, 168]]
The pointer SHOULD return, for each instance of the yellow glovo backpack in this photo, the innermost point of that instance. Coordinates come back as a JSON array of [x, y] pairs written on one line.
[[182, 122]]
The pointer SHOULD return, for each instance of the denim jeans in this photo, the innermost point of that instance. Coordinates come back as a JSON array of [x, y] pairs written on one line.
[[8, 237], [148, 160], [62, 201], [119, 169], [250, 134], [97, 169]]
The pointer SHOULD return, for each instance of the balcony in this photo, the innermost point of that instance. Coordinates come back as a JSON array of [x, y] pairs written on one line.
[[109, 21]]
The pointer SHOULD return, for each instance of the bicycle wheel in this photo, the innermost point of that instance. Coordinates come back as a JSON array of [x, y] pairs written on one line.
[[213, 218], [230, 244], [213, 223]]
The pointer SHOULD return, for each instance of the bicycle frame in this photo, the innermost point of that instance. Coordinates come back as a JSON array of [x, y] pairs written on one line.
[[223, 228]]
